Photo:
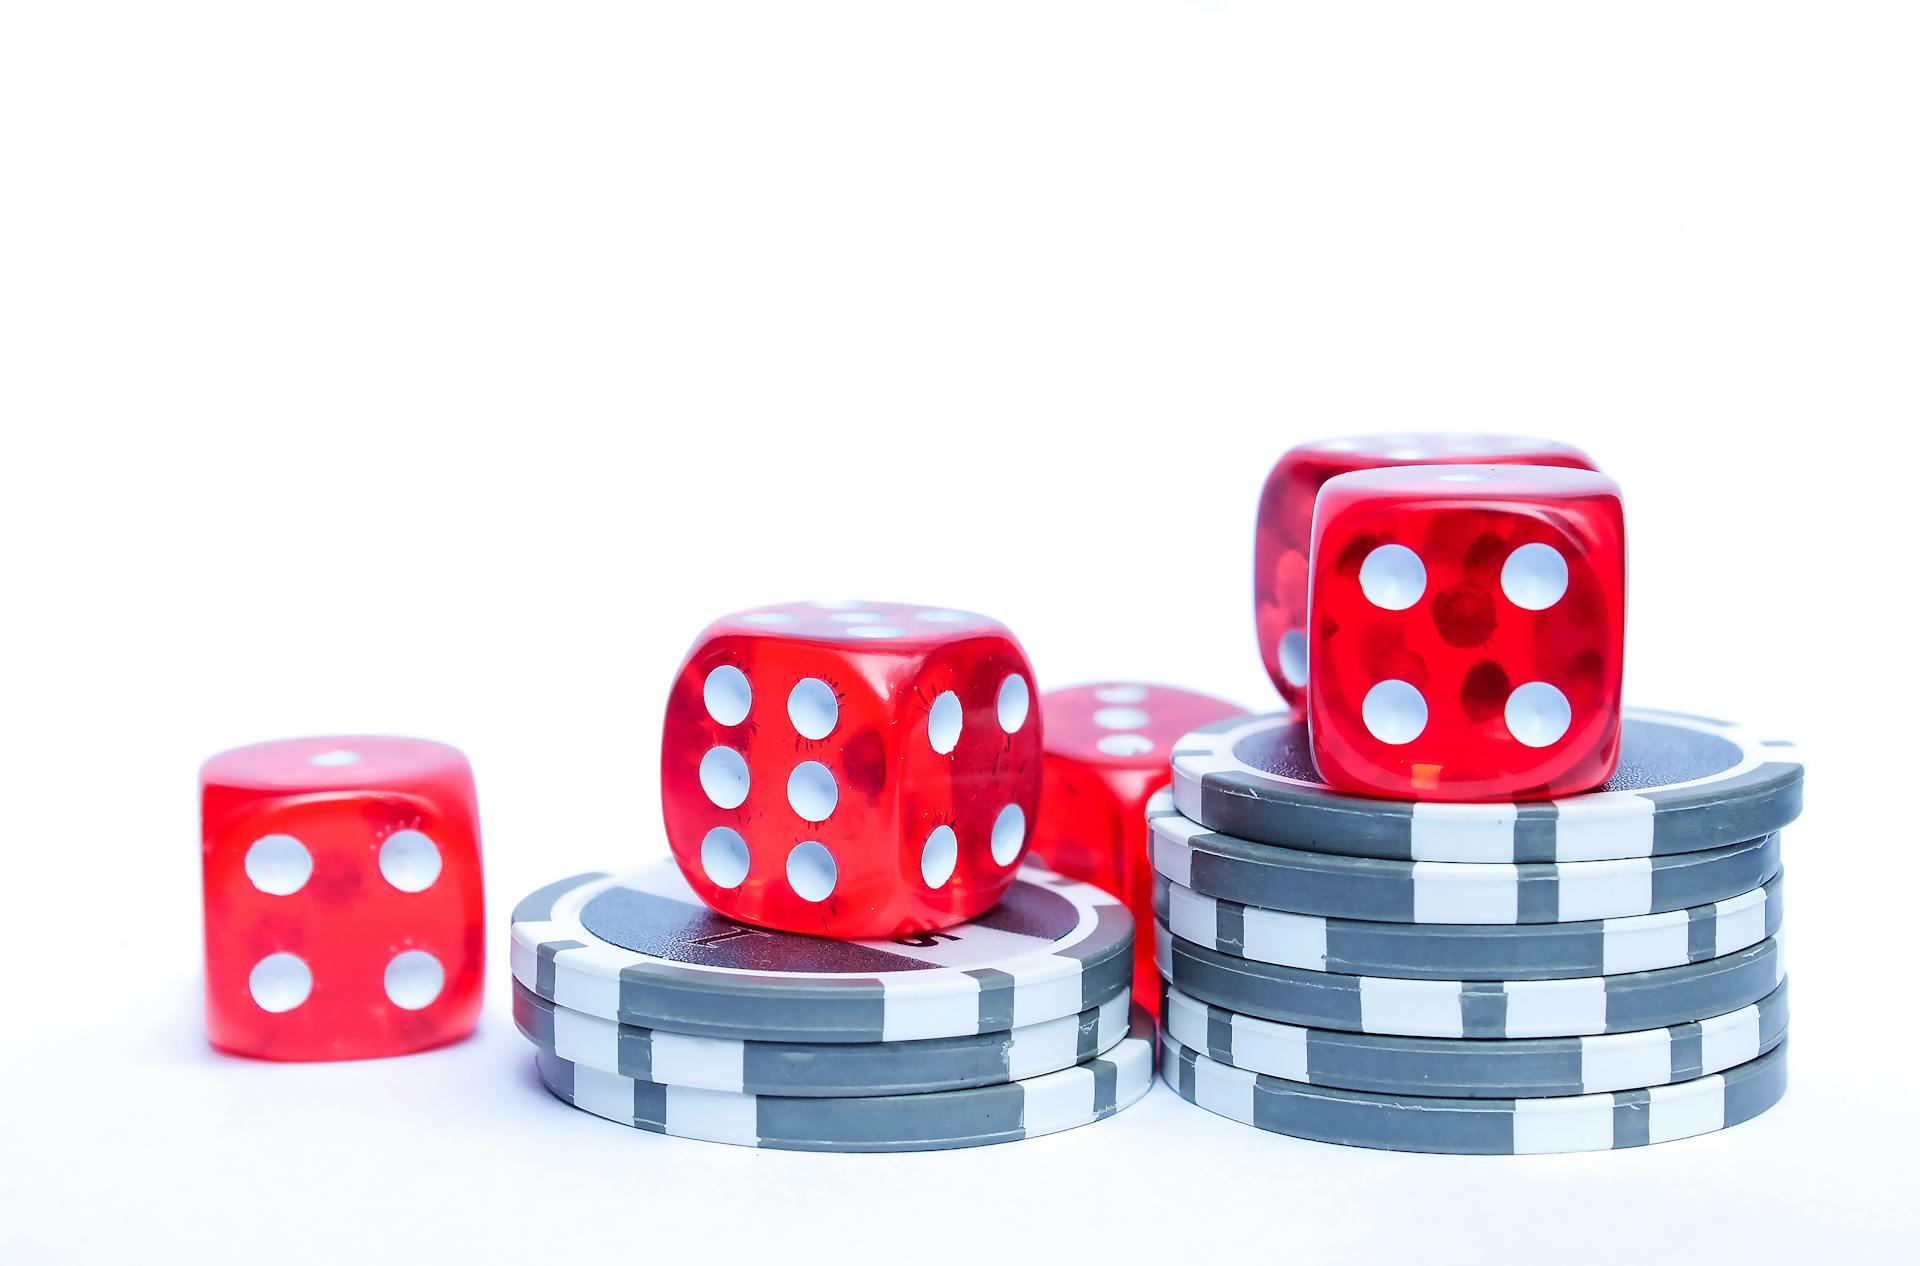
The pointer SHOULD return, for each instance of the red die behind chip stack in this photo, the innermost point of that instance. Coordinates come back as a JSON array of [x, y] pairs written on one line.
[[1467, 625], [1283, 531], [1107, 750], [342, 897], [855, 770]]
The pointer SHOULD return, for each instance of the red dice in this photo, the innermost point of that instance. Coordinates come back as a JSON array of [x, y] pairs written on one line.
[[342, 897], [856, 770], [1467, 624], [1107, 748], [1285, 526]]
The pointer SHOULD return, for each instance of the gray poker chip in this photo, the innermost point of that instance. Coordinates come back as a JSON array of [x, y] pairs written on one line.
[[1469, 1068], [641, 948], [1454, 951], [1277, 878], [819, 1069], [1047, 1104], [1573, 1007], [1484, 1127], [1682, 784]]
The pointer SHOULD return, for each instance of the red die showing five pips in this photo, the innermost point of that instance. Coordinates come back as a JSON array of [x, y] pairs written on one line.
[[1467, 627], [856, 770], [1283, 530], [1107, 748], [342, 897]]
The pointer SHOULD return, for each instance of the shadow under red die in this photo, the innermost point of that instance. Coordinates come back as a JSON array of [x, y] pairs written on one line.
[[1468, 625], [1107, 751], [856, 770], [342, 894], [1284, 528]]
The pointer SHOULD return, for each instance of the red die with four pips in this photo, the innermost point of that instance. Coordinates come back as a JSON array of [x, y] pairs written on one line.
[[1284, 526], [852, 770], [342, 897], [1467, 626]]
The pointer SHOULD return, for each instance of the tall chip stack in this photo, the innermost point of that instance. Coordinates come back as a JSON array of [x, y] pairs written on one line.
[[1592, 972]]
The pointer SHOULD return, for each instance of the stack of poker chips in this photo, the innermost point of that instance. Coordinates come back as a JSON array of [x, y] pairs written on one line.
[[647, 1008], [1601, 971]]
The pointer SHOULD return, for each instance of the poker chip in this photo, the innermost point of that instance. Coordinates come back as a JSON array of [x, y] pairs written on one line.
[[640, 948], [1026, 1108], [1278, 878], [1570, 1007], [1684, 784], [1502, 1127], [819, 1069], [1515, 951], [1470, 1068]]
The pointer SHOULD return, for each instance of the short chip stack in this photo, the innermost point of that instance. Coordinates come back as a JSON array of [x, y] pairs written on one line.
[[649, 1009], [1601, 971]]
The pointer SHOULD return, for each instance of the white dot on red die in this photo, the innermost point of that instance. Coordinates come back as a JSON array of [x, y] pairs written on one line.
[[1009, 833], [942, 617], [728, 696], [811, 791], [1394, 712], [279, 982], [943, 722], [278, 865], [1013, 702], [409, 861], [1121, 718], [414, 978], [1293, 657], [1124, 745], [875, 631], [1393, 577], [724, 857], [1538, 714], [811, 871], [855, 617], [939, 855], [1121, 694], [767, 617], [813, 708], [1534, 576], [335, 759], [724, 777]]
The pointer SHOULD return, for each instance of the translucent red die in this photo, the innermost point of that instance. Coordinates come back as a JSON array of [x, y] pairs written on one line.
[[1107, 748], [1282, 534], [857, 770], [1467, 630], [342, 897]]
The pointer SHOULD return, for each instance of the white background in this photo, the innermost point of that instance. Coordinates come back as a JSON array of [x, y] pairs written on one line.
[[442, 369]]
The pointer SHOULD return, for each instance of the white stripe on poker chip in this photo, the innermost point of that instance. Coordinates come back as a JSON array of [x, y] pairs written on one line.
[[1574, 1123], [1603, 824], [1612, 1061], [680, 1060], [1059, 1100], [1447, 892], [1739, 922], [1438, 834], [1421, 1008], [713, 1115], [603, 1094], [1641, 942], [1055, 1044], [1548, 1008]]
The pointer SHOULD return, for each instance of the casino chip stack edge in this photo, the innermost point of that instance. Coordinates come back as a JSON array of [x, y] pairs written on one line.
[[1602, 971], [647, 1008]]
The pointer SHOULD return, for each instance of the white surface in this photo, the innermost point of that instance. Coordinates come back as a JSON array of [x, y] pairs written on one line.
[[441, 369]]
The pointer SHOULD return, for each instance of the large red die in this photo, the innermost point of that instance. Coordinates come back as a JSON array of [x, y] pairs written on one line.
[[1107, 748], [1467, 631], [1282, 534], [342, 897], [856, 770]]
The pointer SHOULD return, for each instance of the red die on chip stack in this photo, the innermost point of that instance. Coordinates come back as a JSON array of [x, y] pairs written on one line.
[[1106, 754], [1467, 629], [1283, 530], [342, 897], [852, 770]]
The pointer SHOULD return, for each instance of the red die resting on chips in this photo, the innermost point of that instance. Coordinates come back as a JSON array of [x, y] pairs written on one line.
[[1468, 624], [342, 897], [1283, 531], [858, 770], [1107, 751]]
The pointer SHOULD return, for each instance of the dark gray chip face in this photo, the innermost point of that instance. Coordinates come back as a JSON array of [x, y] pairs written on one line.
[[1682, 784]]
